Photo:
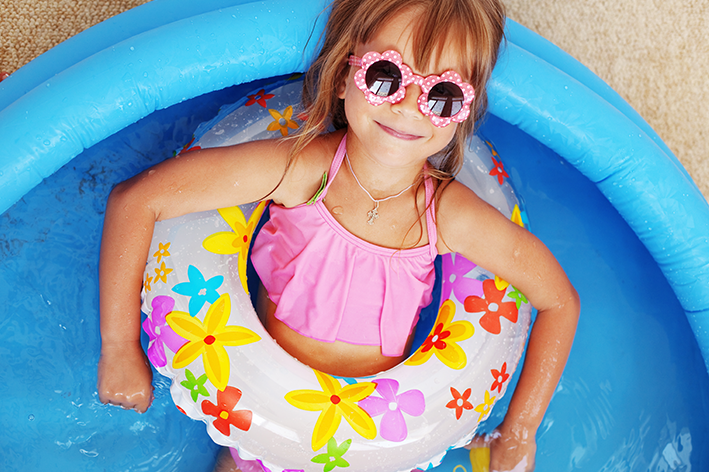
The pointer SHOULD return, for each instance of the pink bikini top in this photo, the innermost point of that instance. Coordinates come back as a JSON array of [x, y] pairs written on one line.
[[330, 285]]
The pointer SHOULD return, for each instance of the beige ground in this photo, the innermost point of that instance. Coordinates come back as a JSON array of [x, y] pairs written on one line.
[[655, 53]]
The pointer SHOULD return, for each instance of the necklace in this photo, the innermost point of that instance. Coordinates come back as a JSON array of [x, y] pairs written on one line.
[[373, 214]]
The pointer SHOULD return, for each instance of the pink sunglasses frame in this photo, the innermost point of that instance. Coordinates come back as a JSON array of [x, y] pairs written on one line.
[[407, 78]]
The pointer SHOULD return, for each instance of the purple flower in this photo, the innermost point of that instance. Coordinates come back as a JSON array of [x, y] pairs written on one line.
[[160, 332], [455, 280], [393, 426]]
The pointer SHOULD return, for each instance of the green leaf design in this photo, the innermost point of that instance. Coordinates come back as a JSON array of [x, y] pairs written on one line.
[[333, 457], [195, 386]]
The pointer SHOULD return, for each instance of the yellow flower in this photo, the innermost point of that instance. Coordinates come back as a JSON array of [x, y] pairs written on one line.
[[208, 338], [517, 216], [146, 284], [161, 273], [283, 122], [492, 149], [444, 338], [334, 402], [485, 407], [162, 251], [238, 241], [501, 284]]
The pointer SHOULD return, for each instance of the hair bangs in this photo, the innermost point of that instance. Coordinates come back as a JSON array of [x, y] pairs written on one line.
[[441, 29]]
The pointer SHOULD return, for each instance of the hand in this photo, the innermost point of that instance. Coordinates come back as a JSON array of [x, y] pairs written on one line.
[[125, 377], [511, 449]]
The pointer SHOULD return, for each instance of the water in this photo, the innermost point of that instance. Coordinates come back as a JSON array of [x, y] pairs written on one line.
[[632, 397]]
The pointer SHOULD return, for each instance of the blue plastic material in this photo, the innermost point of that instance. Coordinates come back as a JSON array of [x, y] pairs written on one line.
[[633, 396], [49, 125], [89, 101]]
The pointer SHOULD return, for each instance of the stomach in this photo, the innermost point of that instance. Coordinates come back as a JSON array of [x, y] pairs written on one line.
[[335, 358]]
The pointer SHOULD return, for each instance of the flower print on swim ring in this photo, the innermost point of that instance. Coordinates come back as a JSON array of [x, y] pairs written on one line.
[[228, 372]]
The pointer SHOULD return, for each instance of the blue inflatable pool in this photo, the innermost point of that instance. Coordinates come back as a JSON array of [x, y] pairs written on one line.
[[600, 189]]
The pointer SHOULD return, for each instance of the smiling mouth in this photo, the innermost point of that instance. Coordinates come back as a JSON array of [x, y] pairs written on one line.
[[398, 134]]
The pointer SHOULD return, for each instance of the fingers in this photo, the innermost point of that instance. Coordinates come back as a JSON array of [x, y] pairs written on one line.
[[505, 453], [522, 466], [139, 401], [125, 378], [483, 441], [140, 405]]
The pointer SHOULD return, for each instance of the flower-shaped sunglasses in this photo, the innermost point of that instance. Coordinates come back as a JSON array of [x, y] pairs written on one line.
[[384, 78]]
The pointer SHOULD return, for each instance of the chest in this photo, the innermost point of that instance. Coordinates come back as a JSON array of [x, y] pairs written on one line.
[[396, 222]]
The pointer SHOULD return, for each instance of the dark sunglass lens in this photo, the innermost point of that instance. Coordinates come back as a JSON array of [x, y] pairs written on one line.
[[445, 99], [383, 78]]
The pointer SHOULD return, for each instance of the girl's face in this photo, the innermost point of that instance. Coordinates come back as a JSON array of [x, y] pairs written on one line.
[[396, 134]]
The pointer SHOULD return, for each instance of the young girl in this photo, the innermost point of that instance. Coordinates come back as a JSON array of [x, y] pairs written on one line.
[[402, 82]]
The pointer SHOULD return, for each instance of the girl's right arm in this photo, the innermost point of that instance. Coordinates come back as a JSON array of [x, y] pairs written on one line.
[[196, 181]]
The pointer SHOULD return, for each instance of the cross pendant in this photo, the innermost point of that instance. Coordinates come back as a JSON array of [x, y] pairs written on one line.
[[373, 214]]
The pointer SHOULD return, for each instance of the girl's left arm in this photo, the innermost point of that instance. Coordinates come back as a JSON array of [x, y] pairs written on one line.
[[471, 227]]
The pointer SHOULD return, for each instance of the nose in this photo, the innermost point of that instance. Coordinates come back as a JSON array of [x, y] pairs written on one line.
[[408, 106]]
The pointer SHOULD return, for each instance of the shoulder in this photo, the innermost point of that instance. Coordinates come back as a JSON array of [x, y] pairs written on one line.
[[304, 174], [458, 204], [468, 224]]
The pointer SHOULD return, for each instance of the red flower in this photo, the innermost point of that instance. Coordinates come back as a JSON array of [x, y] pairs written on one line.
[[500, 376], [259, 97], [436, 339], [186, 148], [224, 412], [493, 306], [498, 170], [459, 402]]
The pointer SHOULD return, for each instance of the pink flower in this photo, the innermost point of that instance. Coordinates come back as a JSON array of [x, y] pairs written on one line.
[[456, 280], [391, 405], [159, 331]]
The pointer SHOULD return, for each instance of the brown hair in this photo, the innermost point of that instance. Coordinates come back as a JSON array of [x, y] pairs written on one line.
[[474, 26]]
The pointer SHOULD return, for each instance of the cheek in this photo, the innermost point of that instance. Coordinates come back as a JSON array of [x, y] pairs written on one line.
[[446, 134], [356, 106]]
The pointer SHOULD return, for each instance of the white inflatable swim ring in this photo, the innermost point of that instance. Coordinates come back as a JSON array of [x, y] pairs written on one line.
[[228, 372]]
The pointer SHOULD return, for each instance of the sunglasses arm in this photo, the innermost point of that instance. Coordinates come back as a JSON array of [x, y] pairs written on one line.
[[355, 61]]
